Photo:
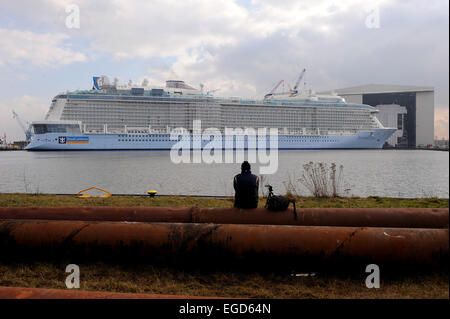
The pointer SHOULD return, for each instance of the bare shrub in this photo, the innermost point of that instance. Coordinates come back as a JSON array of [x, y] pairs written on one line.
[[290, 187], [323, 180]]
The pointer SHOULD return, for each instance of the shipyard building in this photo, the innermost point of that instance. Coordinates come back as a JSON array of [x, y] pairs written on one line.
[[408, 108]]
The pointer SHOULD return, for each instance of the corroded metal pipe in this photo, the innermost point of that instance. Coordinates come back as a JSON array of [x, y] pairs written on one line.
[[104, 213], [348, 217], [212, 242], [42, 293]]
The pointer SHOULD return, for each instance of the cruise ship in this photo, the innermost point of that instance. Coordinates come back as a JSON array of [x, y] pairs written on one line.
[[116, 117]]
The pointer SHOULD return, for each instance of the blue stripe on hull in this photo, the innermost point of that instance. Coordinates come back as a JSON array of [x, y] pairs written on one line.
[[57, 141]]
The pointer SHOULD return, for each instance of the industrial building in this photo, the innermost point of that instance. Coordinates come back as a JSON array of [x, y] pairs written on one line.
[[416, 125], [393, 115]]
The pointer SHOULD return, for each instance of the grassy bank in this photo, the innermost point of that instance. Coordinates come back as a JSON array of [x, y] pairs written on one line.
[[18, 200], [146, 278], [149, 279]]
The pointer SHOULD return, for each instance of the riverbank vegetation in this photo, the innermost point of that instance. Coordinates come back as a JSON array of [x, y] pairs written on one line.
[[28, 200], [160, 280]]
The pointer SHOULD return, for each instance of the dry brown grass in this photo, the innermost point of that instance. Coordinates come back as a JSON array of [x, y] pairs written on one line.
[[149, 279]]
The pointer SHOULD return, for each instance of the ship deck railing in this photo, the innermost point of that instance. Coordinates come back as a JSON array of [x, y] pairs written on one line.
[[281, 132], [206, 98]]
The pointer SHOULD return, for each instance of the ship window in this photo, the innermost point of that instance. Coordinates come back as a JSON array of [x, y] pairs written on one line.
[[56, 128]]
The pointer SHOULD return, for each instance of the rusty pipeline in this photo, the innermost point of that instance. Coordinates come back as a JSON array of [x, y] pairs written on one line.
[[43, 293], [130, 214], [346, 217], [208, 243]]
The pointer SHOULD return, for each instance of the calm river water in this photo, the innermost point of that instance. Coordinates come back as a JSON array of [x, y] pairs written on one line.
[[394, 173]]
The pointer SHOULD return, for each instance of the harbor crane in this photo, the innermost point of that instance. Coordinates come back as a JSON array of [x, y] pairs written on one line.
[[24, 129], [294, 91], [272, 92]]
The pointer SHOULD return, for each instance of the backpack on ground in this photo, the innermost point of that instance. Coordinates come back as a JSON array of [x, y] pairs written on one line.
[[278, 203]]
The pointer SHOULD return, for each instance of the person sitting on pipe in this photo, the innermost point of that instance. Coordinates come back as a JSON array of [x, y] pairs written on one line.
[[246, 187]]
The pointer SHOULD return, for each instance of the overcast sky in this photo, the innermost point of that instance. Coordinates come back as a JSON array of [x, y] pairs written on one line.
[[241, 47]]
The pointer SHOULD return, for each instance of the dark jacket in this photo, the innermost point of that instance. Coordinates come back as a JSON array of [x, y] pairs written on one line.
[[246, 186]]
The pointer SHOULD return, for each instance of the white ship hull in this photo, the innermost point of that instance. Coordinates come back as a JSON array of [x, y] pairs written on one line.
[[373, 139]]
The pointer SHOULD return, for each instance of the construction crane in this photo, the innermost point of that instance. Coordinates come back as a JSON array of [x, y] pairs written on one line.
[[294, 91], [24, 129], [272, 92]]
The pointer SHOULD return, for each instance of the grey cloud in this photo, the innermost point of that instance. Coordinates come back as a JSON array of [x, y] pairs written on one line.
[[411, 47]]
